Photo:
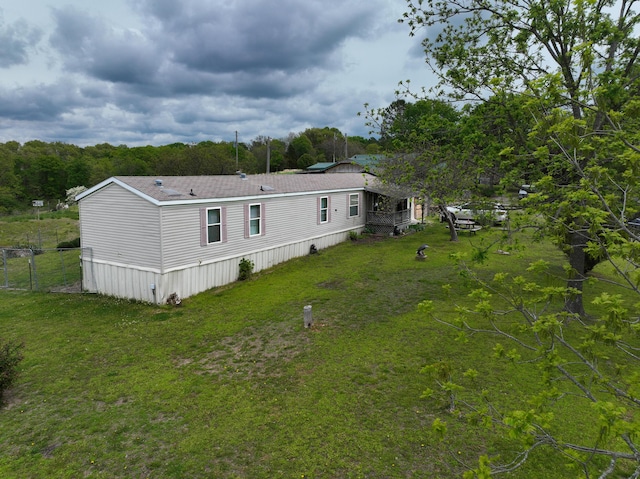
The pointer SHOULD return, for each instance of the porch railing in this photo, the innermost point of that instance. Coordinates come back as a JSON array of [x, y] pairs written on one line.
[[384, 221]]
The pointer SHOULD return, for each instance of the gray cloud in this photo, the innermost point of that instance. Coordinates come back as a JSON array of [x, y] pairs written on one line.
[[17, 39], [194, 70], [254, 49], [88, 45], [38, 103], [256, 36]]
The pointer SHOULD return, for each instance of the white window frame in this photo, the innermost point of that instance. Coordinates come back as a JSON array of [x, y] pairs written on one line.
[[218, 224], [255, 220], [323, 210], [352, 205]]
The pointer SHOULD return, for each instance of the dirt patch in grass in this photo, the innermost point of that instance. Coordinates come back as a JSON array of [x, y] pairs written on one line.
[[333, 284], [371, 238], [258, 351], [72, 288]]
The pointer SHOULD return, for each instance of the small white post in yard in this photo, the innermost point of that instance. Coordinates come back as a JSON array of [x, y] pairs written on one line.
[[308, 317]]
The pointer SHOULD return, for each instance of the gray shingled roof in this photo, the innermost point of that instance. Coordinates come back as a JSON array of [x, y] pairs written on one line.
[[179, 188]]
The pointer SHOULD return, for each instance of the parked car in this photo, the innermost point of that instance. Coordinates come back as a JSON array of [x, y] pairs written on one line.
[[525, 190], [479, 212]]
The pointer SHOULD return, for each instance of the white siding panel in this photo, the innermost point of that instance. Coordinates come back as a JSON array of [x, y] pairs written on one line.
[[121, 281], [120, 227]]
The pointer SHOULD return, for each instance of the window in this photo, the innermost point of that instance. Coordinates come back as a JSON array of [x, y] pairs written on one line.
[[254, 220], [213, 228], [214, 225], [323, 209], [354, 205]]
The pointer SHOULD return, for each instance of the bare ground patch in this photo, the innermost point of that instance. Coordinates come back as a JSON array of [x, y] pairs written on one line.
[[258, 351]]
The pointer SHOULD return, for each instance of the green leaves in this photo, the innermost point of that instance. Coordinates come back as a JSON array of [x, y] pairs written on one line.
[[439, 428]]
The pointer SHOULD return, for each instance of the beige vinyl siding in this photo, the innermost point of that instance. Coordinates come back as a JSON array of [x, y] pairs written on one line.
[[135, 243], [121, 228], [287, 220]]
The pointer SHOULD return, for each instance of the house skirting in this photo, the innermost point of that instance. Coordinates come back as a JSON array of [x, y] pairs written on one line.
[[154, 286]]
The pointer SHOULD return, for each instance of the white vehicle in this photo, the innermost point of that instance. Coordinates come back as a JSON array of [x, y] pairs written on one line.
[[525, 190], [479, 212]]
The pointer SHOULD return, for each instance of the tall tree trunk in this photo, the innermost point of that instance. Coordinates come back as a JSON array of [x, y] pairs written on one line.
[[452, 227], [577, 261]]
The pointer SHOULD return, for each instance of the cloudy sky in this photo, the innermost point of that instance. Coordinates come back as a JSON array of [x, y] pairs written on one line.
[[154, 72]]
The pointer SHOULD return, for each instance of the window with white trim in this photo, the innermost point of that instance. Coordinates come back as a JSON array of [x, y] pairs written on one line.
[[214, 225], [354, 205], [255, 219], [324, 209]]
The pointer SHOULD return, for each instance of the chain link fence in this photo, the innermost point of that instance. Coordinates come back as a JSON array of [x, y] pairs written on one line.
[[32, 269]]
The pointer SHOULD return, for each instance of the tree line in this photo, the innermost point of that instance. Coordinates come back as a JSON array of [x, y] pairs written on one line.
[[38, 170]]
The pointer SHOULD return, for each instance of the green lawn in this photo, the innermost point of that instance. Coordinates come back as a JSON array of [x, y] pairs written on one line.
[[49, 269], [43, 232], [231, 384]]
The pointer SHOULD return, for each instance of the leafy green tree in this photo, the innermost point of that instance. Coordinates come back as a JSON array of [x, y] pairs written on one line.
[[277, 149], [576, 63], [78, 172], [305, 161], [300, 145], [425, 155], [497, 132], [10, 189]]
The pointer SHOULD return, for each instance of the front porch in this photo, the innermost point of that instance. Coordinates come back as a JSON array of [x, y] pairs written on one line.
[[386, 222], [387, 212]]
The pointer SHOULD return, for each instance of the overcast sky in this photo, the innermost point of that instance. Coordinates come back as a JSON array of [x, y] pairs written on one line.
[[154, 72]]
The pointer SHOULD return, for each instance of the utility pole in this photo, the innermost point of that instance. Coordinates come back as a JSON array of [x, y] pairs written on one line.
[[236, 150], [334, 147], [268, 154], [346, 146]]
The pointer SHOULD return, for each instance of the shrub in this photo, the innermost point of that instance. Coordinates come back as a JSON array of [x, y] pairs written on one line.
[[246, 269], [75, 243], [353, 235], [10, 356]]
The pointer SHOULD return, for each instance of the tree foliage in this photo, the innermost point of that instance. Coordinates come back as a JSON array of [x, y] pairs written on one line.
[[45, 171], [425, 154], [570, 68], [575, 60], [316, 145]]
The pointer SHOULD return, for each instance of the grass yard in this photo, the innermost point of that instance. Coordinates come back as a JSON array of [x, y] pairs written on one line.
[[231, 385], [49, 268], [46, 232]]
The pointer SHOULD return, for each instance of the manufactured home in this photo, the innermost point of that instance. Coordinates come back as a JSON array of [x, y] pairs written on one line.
[[148, 238]]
